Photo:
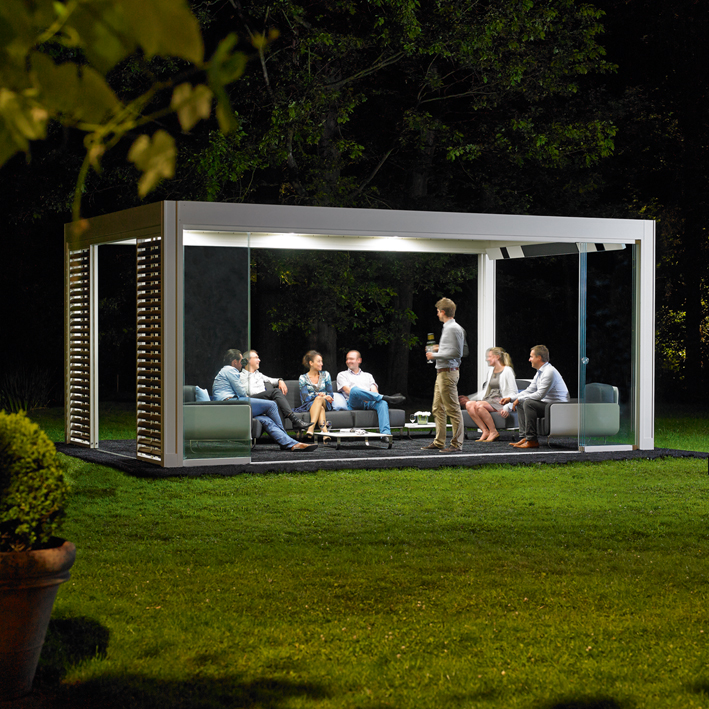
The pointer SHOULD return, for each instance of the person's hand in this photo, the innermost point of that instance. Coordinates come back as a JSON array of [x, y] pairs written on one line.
[[429, 355], [463, 400], [514, 404], [282, 386], [329, 398], [505, 400], [504, 413]]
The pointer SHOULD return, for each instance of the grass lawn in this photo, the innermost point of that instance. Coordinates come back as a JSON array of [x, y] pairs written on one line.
[[581, 586]]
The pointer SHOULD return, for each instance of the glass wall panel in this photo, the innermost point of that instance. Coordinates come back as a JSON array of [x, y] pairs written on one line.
[[216, 319], [606, 311]]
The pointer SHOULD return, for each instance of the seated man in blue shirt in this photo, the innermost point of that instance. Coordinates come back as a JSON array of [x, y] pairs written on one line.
[[228, 385], [547, 387]]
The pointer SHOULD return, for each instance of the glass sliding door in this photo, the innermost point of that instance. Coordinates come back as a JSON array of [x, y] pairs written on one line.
[[216, 320], [606, 346]]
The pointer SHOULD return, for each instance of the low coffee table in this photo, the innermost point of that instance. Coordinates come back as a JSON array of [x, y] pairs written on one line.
[[428, 427], [340, 435]]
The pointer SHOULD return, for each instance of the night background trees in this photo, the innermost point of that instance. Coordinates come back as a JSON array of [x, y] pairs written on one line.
[[507, 106]]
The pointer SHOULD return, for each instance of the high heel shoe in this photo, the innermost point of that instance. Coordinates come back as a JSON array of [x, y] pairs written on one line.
[[323, 429], [309, 434]]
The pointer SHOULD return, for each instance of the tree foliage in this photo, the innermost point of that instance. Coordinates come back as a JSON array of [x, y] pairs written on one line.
[[55, 57], [359, 99]]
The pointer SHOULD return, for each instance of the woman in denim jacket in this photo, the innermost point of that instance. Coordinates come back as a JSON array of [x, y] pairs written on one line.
[[315, 393]]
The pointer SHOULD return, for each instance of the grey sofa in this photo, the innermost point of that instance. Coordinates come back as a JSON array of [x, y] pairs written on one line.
[[341, 419], [601, 414], [216, 428], [502, 424]]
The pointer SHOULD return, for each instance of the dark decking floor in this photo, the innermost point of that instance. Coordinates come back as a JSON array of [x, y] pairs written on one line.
[[405, 453]]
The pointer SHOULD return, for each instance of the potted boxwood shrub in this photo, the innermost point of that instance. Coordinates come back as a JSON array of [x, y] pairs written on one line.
[[33, 561]]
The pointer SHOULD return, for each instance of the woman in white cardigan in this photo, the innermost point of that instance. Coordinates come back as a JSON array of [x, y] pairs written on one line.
[[500, 384]]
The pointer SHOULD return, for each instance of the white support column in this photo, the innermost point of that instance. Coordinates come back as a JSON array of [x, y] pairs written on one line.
[[487, 312], [645, 340], [172, 336]]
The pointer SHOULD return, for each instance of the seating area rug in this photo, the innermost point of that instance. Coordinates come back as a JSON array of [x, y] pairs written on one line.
[[405, 453]]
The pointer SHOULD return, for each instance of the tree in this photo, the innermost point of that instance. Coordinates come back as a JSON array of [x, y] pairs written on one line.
[[363, 98], [423, 105], [661, 166], [56, 57], [346, 300]]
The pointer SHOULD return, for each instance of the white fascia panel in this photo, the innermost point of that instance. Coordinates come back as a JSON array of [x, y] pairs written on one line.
[[331, 221]]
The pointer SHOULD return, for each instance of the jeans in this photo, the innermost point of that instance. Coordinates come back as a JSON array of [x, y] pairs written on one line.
[[267, 413], [363, 400]]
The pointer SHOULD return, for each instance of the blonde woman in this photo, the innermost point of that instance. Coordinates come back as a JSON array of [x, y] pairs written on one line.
[[500, 384], [315, 393]]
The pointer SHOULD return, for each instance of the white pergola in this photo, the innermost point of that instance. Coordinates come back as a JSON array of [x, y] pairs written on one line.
[[161, 231]]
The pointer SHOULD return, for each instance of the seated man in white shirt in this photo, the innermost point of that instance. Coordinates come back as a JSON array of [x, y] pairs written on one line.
[[255, 384], [547, 387], [362, 393]]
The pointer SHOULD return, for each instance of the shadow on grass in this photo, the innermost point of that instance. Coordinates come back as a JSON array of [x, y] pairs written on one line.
[[700, 687], [138, 692], [71, 641], [586, 703]]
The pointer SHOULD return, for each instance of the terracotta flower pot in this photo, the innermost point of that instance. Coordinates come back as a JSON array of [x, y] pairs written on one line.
[[29, 582]]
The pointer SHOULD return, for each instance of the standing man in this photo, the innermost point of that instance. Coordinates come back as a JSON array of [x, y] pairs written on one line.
[[255, 385], [546, 388], [362, 393], [447, 355], [227, 385]]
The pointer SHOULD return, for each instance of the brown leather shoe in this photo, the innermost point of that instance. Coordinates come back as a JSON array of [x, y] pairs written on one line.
[[529, 444], [304, 447], [431, 447], [517, 443], [451, 449]]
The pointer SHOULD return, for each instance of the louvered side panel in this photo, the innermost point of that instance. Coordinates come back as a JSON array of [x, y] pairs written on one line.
[[78, 345], [149, 438]]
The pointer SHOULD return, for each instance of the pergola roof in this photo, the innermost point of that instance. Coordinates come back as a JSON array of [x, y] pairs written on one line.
[[161, 231]]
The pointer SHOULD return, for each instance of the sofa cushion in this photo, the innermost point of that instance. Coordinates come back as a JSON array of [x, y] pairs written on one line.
[[201, 394]]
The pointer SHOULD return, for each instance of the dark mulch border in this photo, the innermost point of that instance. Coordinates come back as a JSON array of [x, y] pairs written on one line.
[[405, 453]]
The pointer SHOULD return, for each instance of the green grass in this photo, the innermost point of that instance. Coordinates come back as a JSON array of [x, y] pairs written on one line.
[[541, 586], [682, 427], [116, 421]]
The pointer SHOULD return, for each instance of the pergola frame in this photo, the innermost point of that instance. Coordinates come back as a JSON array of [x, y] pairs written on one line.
[[161, 230]]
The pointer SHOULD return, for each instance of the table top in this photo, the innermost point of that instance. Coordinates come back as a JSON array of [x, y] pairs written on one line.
[[424, 425], [338, 435], [346, 433]]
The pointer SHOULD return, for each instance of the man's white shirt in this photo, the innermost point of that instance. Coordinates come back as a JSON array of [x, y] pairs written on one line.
[[255, 382], [547, 385], [363, 380]]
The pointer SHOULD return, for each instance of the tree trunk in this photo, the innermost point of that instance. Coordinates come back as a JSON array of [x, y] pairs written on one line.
[[331, 162], [422, 168], [398, 354], [264, 339], [324, 340]]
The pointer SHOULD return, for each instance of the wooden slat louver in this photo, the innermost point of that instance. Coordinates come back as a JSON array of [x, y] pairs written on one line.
[[149, 439], [78, 372]]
